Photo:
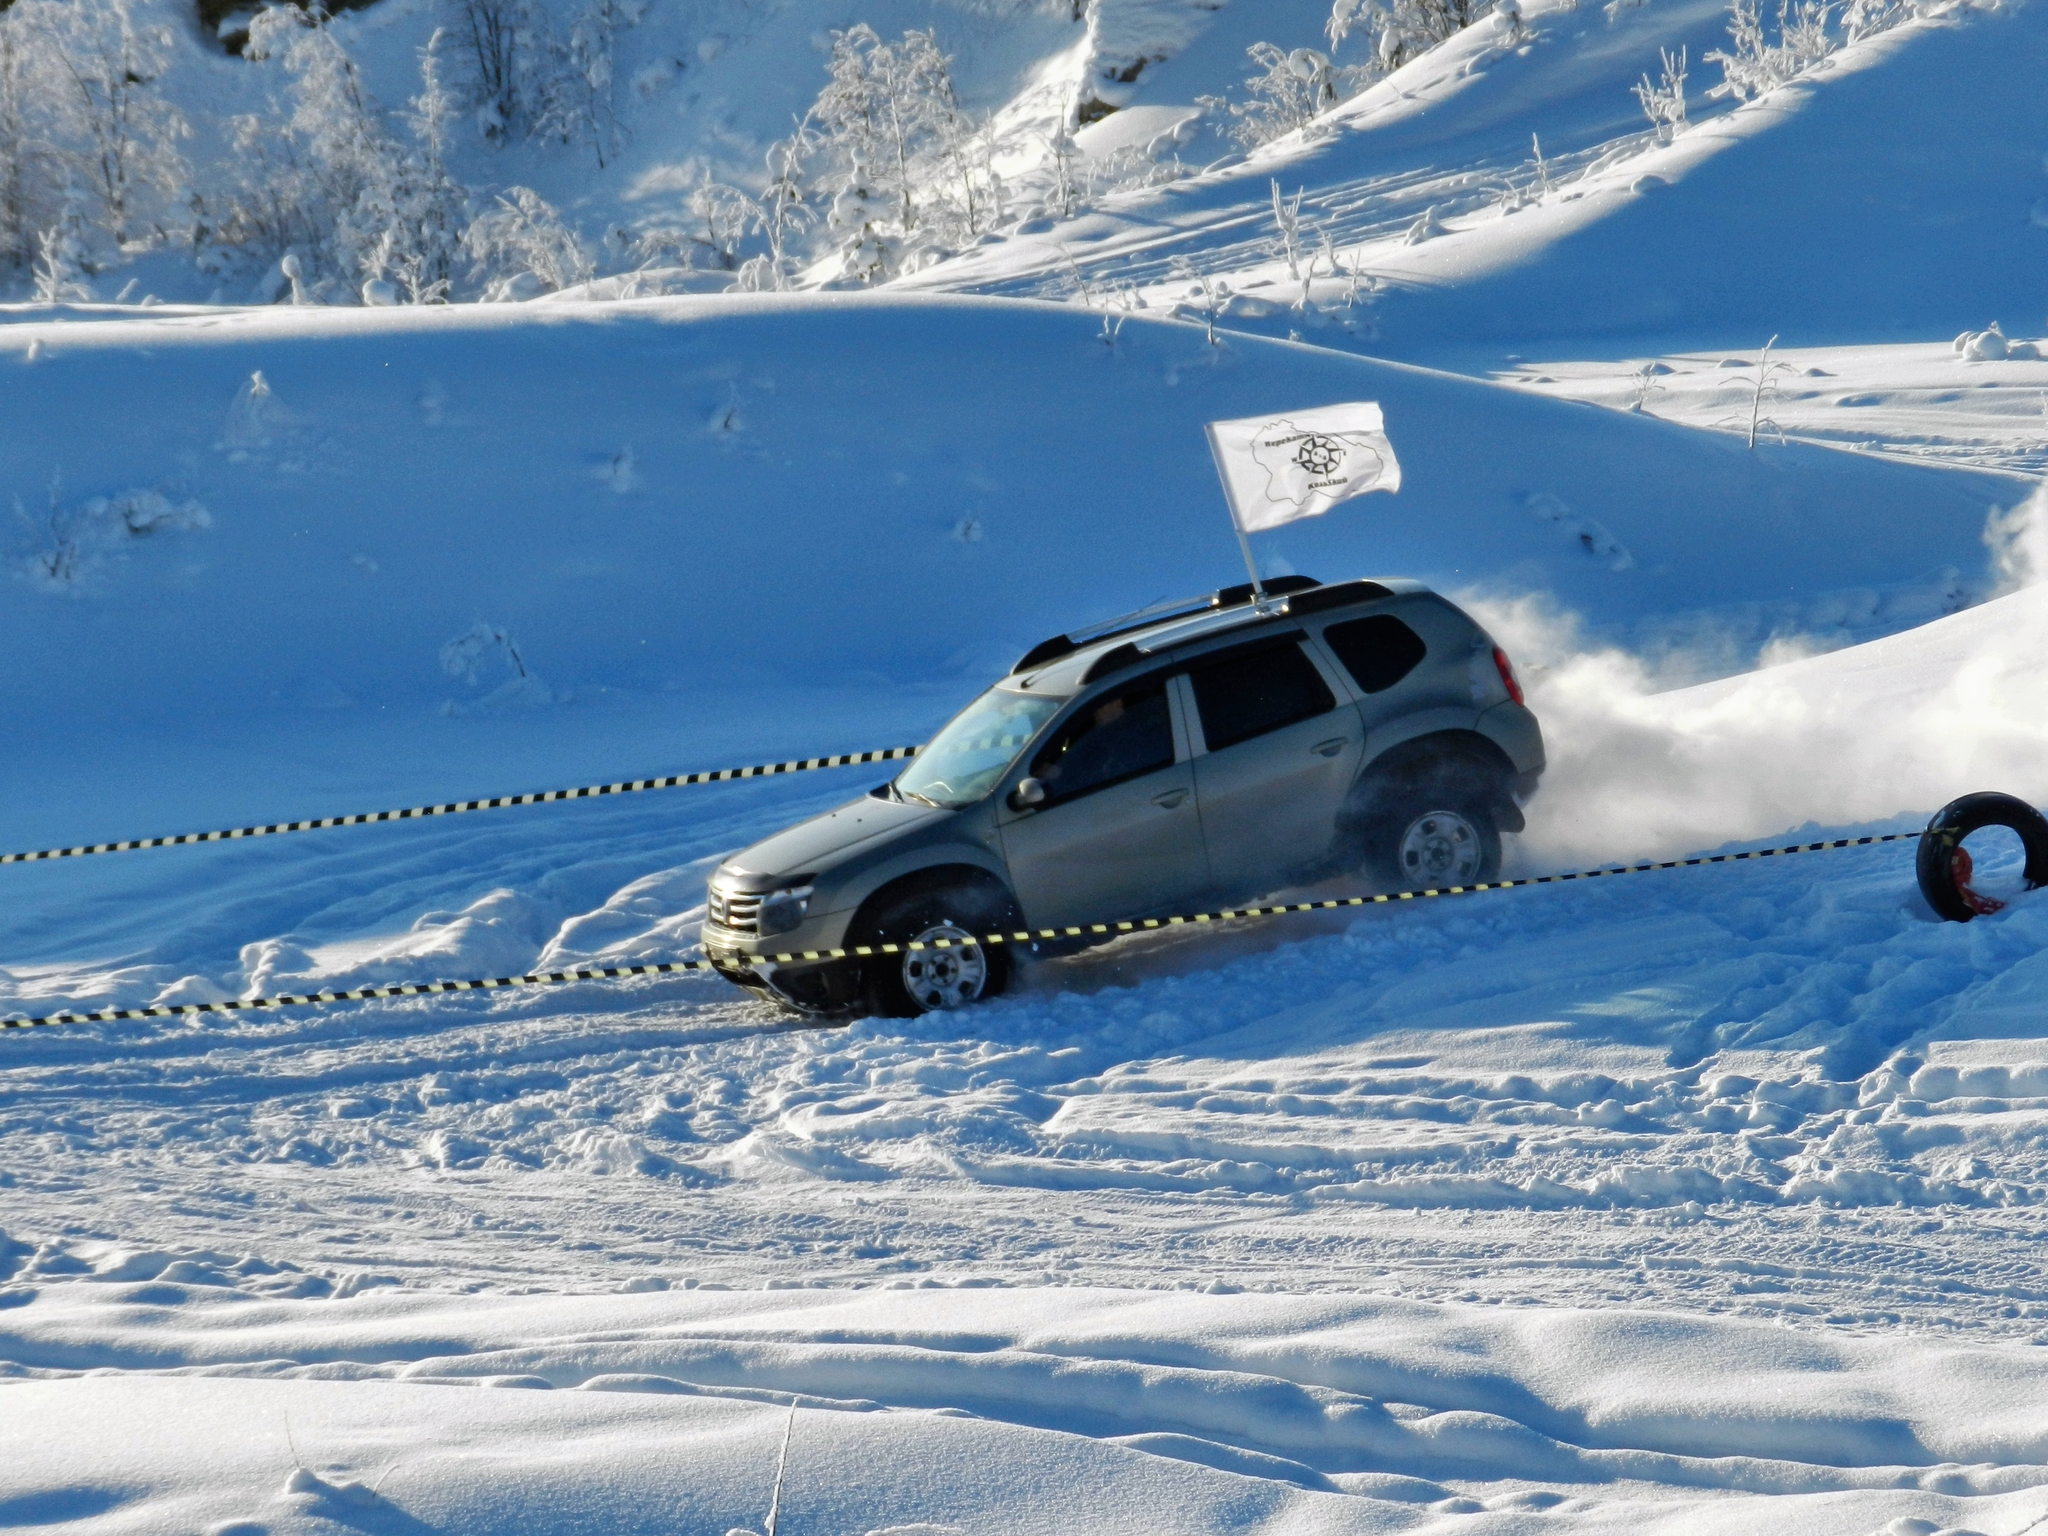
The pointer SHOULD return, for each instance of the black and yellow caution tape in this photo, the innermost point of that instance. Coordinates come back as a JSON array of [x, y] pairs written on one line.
[[456, 807], [863, 951]]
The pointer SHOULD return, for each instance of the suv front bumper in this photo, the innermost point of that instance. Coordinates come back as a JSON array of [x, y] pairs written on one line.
[[809, 986]]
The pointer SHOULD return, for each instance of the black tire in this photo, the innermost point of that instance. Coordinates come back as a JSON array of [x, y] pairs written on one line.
[[1944, 836], [1399, 849], [891, 983]]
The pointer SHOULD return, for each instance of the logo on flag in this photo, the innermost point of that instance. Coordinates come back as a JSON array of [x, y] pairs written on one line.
[[1276, 469]]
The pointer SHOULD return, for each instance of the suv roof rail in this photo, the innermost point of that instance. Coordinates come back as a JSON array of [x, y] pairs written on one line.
[[1296, 604], [1056, 646], [1336, 595]]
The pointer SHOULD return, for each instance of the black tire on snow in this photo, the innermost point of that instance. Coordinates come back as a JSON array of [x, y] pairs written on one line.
[[1955, 821], [1391, 807], [977, 912]]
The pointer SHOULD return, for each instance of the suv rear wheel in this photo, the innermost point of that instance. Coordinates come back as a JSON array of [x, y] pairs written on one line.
[[962, 972], [1433, 829]]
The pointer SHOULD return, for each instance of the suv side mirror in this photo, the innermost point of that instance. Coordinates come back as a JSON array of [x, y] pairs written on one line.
[[1028, 793]]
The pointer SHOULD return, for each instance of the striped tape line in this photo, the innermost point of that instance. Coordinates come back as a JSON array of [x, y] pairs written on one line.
[[861, 951], [456, 807]]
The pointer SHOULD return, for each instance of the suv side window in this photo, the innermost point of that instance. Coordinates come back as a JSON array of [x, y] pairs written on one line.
[[1254, 692], [1117, 737], [1378, 650]]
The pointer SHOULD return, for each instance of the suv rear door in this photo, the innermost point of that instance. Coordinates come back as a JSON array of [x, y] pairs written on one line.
[[1118, 834], [1277, 747]]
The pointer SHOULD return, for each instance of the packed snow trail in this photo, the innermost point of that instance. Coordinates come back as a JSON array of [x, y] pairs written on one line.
[[1267, 1091]]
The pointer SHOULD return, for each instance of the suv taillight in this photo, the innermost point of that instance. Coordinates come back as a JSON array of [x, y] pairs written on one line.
[[1506, 669]]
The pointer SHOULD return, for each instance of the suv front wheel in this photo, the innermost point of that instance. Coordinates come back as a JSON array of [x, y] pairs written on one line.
[[962, 972]]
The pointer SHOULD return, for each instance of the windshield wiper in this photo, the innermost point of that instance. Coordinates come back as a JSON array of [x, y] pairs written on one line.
[[911, 794]]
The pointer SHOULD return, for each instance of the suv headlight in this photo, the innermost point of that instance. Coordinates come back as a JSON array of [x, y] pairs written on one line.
[[782, 910]]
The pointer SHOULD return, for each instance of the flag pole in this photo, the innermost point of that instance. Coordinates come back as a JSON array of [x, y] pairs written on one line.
[[1230, 502]]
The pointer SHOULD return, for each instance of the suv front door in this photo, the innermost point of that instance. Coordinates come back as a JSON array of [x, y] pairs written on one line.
[[1277, 754], [1117, 835]]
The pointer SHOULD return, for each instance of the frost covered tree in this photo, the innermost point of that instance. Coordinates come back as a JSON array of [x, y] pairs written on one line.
[[350, 154], [870, 247], [525, 78], [727, 215], [1061, 152], [432, 206], [325, 179], [582, 103], [908, 169], [784, 212], [29, 176], [91, 69], [495, 38]]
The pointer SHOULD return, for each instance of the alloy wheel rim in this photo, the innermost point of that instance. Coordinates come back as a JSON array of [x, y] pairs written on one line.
[[1440, 848], [953, 977]]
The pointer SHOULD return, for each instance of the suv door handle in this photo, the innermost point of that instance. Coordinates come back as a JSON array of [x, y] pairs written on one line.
[[1331, 747], [1169, 799]]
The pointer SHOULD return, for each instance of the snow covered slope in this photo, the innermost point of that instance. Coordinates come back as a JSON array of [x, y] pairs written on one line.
[[1861, 202]]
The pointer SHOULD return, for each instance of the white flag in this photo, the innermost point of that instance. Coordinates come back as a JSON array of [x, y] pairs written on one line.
[[1296, 464]]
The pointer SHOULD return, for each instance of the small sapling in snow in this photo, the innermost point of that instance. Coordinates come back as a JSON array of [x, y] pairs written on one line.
[[1287, 220], [1207, 296], [1664, 103], [1763, 390]]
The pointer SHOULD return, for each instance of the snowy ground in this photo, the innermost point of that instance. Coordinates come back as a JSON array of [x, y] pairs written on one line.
[[1700, 1200], [1919, 402], [1708, 1200]]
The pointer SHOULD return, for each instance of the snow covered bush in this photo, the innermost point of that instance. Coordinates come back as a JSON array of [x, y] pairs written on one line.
[[461, 656], [63, 261], [524, 238], [1289, 88], [1991, 345], [467, 658], [1400, 30], [1752, 65], [69, 543], [1286, 91]]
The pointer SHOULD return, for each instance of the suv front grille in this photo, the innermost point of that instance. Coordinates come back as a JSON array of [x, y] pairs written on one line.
[[734, 911]]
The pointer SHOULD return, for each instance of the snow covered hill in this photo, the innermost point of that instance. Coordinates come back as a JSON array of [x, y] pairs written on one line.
[[338, 496]]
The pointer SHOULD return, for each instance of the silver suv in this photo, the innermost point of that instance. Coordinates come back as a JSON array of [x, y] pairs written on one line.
[[1192, 753]]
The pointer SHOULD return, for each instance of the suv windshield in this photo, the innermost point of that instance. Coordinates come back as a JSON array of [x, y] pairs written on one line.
[[962, 763]]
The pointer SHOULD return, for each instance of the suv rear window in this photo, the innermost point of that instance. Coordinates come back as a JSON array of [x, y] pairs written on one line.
[[1254, 692], [1118, 737], [1378, 650]]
